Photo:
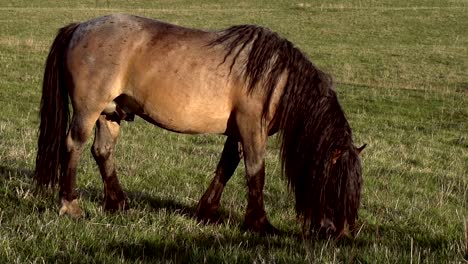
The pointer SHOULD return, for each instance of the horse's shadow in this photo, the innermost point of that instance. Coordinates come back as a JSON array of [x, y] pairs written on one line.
[[7, 172], [138, 200], [186, 248], [142, 201]]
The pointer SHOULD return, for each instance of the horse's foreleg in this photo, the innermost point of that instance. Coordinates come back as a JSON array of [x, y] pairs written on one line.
[[209, 203], [103, 147], [254, 145], [80, 130]]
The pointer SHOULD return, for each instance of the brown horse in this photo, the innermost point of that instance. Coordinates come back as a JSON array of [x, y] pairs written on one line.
[[244, 82]]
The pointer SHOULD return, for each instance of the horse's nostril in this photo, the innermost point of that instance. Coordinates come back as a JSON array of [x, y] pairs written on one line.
[[327, 225]]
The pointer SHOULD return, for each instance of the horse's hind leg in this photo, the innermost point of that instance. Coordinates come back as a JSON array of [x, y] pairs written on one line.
[[103, 148], [79, 131], [209, 203]]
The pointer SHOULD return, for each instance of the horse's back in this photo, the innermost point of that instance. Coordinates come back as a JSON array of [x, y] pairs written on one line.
[[165, 73]]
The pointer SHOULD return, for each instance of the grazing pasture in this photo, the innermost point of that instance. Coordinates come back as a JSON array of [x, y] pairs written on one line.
[[401, 74]]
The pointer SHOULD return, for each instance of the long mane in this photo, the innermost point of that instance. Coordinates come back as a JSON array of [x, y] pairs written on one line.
[[312, 123]]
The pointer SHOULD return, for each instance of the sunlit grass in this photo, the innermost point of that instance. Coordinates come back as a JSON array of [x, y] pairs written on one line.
[[401, 72]]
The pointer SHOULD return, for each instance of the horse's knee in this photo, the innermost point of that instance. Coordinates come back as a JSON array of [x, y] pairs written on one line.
[[77, 135], [74, 144]]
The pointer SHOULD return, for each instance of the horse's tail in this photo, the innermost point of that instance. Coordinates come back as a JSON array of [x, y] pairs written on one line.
[[54, 112]]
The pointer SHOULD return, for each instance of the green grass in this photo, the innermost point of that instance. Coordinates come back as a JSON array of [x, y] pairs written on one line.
[[401, 71]]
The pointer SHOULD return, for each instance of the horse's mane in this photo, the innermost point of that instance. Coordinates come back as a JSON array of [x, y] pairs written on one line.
[[267, 57], [312, 122]]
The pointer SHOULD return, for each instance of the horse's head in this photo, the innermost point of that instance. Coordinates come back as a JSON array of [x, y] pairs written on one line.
[[343, 191]]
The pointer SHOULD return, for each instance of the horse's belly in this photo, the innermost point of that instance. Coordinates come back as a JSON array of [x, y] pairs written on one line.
[[181, 113], [185, 99], [191, 121]]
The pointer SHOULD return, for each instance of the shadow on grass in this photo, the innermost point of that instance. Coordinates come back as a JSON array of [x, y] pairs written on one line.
[[143, 201], [244, 247], [16, 185], [211, 248], [7, 172], [138, 200]]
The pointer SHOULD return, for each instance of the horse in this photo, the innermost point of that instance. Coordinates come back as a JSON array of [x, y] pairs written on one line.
[[245, 82]]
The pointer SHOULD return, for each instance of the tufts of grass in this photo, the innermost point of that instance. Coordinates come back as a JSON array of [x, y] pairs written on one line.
[[400, 70]]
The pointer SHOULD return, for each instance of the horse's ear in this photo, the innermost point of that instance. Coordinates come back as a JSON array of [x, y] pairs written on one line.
[[359, 150], [336, 155]]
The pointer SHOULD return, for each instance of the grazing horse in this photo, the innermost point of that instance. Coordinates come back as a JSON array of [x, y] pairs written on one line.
[[245, 82]]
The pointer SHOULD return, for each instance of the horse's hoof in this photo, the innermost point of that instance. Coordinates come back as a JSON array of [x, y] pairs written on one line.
[[207, 216], [70, 208], [114, 206], [262, 227], [115, 200]]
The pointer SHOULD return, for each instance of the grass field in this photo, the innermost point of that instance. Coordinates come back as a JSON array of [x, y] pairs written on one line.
[[401, 69]]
